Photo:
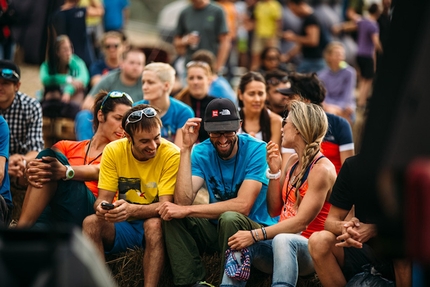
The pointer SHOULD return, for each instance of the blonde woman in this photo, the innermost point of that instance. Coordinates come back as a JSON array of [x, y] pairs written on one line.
[[299, 196]]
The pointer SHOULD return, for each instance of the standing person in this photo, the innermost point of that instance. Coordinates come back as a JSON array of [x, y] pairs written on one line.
[[24, 117], [157, 83], [232, 166], [311, 40], [196, 94], [339, 80], [6, 204], [340, 251], [113, 47], [8, 17], [142, 168], [299, 195], [66, 70], [267, 17], [257, 120], [67, 194], [337, 144], [127, 79], [202, 25]]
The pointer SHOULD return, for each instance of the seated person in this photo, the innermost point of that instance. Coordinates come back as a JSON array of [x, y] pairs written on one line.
[[113, 47], [270, 59], [157, 83], [126, 79], [63, 179], [196, 93], [299, 195], [340, 251], [232, 167], [143, 168], [275, 101], [219, 87], [6, 205], [339, 80], [65, 69]]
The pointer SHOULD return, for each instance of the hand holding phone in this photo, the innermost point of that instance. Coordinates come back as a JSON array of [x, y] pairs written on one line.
[[107, 206]]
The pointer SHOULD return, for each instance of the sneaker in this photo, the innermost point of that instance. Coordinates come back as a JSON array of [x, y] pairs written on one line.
[[203, 284]]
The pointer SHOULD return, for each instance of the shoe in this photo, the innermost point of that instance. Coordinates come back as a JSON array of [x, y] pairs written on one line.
[[202, 284]]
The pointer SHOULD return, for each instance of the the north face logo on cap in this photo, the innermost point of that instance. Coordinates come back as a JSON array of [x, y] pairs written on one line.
[[225, 112]]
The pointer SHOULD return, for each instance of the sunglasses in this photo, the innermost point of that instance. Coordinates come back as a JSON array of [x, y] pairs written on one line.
[[276, 81], [136, 116], [115, 94], [9, 74], [198, 63], [218, 134], [108, 46]]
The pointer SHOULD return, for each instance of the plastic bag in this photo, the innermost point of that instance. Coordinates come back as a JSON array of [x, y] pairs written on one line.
[[370, 277]]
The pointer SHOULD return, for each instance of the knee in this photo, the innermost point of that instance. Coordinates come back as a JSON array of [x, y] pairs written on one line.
[[91, 224], [320, 243], [228, 218], [153, 229]]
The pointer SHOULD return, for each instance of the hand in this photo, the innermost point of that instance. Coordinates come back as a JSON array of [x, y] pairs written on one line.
[[190, 132], [38, 172], [193, 39], [77, 84], [17, 165], [169, 210], [349, 235], [65, 98], [289, 35], [121, 211], [273, 157], [240, 240]]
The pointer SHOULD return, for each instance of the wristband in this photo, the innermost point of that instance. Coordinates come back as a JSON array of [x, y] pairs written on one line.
[[273, 175], [252, 234], [264, 232], [256, 235]]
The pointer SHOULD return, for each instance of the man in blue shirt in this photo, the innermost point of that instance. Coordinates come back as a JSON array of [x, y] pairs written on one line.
[[233, 168]]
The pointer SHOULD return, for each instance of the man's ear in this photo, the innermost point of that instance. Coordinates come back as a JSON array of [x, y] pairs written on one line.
[[17, 85]]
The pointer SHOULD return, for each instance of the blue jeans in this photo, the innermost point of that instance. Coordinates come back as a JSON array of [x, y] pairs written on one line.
[[311, 65], [287, 253]]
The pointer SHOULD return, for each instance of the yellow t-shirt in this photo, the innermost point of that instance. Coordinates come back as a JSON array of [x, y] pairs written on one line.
[[91, 20], [267, 13], [140, 182]]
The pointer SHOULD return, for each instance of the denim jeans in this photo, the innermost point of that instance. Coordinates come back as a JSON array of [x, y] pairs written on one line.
[[287, 254]]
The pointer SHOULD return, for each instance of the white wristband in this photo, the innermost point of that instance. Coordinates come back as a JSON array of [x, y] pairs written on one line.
[[273, 175]]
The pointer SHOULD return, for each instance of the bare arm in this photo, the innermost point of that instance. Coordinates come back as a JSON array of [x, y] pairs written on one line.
[[95, 8], [377, 42], [2, 167], [345, 154], [311, 39]]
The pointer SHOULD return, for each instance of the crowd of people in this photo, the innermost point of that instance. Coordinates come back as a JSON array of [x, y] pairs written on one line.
[[275, 154]]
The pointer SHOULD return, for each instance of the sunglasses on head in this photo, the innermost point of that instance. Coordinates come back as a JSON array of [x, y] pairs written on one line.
[[198, 63], [136, 116], [9, 74], [218, 134], [276, 81], [115, 94], [108, 46]]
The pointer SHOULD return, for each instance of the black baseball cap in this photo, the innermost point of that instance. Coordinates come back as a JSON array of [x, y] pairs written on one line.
[[221, 115], [9, 71]]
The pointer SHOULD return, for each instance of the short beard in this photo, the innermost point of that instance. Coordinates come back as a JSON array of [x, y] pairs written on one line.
[[227, 153]]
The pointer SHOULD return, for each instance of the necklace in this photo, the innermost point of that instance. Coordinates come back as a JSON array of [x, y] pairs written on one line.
[[88, 151], [234, 169]]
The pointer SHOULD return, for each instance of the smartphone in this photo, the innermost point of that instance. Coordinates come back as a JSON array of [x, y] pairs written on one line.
[[107, 206]]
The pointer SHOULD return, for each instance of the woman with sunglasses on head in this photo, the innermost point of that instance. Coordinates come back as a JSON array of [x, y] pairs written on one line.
[[257, 120], [63, 179], [157, 83], [64, 69], [299, 196], [196, 93]]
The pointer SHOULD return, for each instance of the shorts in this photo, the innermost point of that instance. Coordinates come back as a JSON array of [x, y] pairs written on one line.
[[128, 234], [355, 259], [260, 43], [366, 66]]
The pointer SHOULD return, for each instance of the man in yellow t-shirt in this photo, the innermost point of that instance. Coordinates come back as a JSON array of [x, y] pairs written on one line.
[[142, 167]]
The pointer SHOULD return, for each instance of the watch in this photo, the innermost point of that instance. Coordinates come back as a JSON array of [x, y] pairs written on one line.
[[270, 175], [70, 173]]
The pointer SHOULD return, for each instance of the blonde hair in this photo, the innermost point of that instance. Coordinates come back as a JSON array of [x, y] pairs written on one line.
[[311, 122], [164, 72]]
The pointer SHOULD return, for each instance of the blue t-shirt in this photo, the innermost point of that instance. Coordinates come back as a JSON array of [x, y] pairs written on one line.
[[113, 18], [100, 68], [174, 119], [220, 88], [224, 177], [4, 152]]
